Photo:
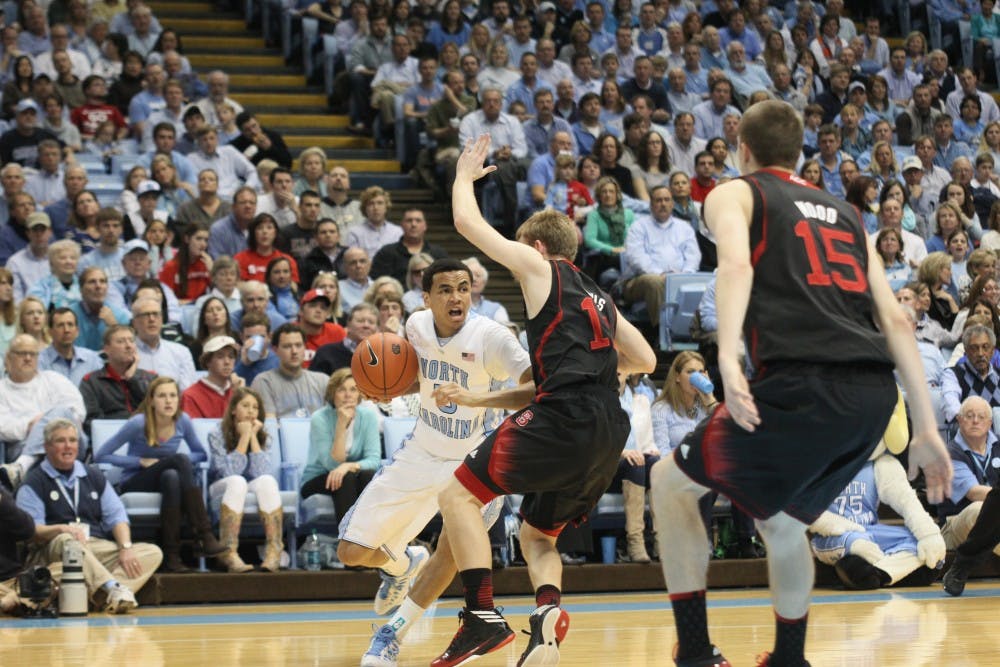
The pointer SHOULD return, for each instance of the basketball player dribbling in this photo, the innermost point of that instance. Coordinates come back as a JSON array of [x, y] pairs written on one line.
[[464, 360], [561, 451], [798, 282]]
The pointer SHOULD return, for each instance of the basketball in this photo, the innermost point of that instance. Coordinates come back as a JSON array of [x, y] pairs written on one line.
[[384, 365]]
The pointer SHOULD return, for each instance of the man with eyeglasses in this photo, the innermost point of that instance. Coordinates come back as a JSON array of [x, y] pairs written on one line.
[[155, 354], [392, 259], [29, 399], [974, 375], [971, 515]]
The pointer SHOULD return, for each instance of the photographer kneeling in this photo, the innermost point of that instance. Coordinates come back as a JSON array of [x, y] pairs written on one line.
[[68, 500]]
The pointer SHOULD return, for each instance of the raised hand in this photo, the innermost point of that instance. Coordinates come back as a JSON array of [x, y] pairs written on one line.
[[470, 164]]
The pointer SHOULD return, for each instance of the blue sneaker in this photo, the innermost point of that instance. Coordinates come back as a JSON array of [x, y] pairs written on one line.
[[394, 589], [383, 649]]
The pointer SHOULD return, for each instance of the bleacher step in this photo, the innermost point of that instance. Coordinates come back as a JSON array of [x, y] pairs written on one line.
[[201, 26], [207, 61], [284, 101], [213, 43], [316, 121]]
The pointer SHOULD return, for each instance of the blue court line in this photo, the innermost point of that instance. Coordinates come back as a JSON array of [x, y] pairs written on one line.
[[243, 618]]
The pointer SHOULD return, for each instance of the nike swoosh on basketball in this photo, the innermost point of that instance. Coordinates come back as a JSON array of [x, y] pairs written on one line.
[[373, 361]]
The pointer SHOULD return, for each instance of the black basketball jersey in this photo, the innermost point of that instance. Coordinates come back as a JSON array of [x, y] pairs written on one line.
[[571, 339], [810, 300]]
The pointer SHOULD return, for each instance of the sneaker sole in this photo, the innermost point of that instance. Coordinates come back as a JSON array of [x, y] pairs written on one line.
[[480, 651], [554, 630]]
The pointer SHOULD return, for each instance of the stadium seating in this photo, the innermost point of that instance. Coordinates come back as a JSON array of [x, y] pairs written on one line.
[[680, 303]]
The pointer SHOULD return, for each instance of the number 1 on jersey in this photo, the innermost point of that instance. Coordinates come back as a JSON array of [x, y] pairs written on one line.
[[819, 274], [599, 341]]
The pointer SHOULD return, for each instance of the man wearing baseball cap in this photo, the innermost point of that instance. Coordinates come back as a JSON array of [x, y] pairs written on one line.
[[20, 144], [208, 397], [30, 264], [136, 263], [314, 318], [922, 200]]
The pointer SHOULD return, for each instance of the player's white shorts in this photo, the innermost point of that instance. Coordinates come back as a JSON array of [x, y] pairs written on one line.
[[400, 500]]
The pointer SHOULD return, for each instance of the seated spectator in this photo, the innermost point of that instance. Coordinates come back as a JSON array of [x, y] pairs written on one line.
[[113, 569], [948, 150], [164, 137], [109, 252], [228, 130], [255, 355], [224, 278], [156, 354], [31, 320], [901, 80], [704, 176], [605, 232], [889, 246], [241, 464], [608, 151], [255, 297], [137, 264], [280, 202], [207, 207], [153, 463], [218, 92], [413, 298], [375, 231], [917, 118], [94, 313], [290, 390], [284, 290], [392, 259], [208, 397], [391, 314], [338, 204], [746, 77], [637, 458], [972, 376], [478, 303], [891, 217], [20, 143], [969, 85], [232, 168], [46, 183], [188, 273], [299, 239], [144, 36], [326, 256], [357, 280], [29, 399], [116, 390], [344, 451], [657, 244], [228, 235], [314, 319], [16, 526], [57, 123], [565, 193], [63, 356], [213, 320], [312, 172], [261, 236], [66, 84], [417, 102], [30, 265], [973, 447], [172, 191], [258, 143], [361, 323]]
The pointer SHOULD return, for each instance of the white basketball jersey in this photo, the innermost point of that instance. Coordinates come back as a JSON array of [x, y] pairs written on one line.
[[481, 357]]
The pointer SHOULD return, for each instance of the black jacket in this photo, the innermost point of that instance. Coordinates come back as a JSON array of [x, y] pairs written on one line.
[[107, 396], [16, 525]]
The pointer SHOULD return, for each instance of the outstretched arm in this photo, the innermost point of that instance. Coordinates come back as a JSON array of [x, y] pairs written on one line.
[[524, 262]]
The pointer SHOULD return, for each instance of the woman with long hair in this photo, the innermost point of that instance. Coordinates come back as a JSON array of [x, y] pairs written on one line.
[[312, 172], [496, 73], [806, 75], [32, 320], [153, 463], [83, 221], [901, 193], [608, 151], [579, 42], [173, 191], [241, 465], [916, 51], [889, 247], [284, 290], [614, 108], [128, 201], [653, 161], [935, 272], [452, 27], [685, 207], [884, 167], [8, 310], [344, 449], [330, 284], [478, 43], [989, 142], [262, 234], [811, 172], [719, 148], [188, 274], [961, 196], [19, 86], [879, 102], [605, 231], [774, 52], [863, 194], [213, 320], [413, 298]]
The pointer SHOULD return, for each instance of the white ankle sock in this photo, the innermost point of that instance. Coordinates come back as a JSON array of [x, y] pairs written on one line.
[[398, 567], [408, 613]]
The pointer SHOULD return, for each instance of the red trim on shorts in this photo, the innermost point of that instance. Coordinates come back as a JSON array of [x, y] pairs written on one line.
[[690, 595], [716, 465], [789, 621], [552, 325], [551, 532], [501, 462], [474, 485], [761, 246]]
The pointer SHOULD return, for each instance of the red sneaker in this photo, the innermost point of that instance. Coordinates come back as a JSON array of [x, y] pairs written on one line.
[[480, 632]]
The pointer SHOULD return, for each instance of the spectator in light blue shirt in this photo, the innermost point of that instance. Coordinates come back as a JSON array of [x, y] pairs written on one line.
[[524, 89], [93, 312], [63, 356], [657, 244]]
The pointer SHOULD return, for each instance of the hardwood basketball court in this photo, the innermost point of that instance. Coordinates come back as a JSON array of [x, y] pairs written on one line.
[[906, 627]]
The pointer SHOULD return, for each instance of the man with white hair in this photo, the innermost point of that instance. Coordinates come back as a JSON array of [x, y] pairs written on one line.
[[155, 354], [143, 37], [255, 297], [29, 399], [218, 92]]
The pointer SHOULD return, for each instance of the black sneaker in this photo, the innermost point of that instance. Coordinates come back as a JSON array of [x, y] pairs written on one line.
[[549, 625], [480, 632], [958, 574], [712, 658]]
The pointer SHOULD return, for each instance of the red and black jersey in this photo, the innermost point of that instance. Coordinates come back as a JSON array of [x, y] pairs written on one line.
[[810, 299], [571, 339]]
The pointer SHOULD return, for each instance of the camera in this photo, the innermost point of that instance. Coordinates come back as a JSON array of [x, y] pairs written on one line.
[[35, 586]]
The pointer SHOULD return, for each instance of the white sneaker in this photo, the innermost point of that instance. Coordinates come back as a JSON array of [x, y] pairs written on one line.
[[120, 600], [393, 589], [11, 475], [383, 649]]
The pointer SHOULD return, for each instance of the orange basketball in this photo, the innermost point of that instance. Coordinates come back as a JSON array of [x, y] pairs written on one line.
[[384, 365]]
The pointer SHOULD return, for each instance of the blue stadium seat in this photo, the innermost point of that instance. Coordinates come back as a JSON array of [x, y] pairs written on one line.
[[682, 296], [316, 510], [395, 432]]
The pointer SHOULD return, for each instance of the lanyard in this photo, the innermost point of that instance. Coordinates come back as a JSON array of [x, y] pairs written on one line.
[[74, 502]]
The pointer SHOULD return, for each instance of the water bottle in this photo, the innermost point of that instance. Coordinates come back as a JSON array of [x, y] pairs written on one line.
[[311, 553], [256, 351], [701, 382], [72, 589]]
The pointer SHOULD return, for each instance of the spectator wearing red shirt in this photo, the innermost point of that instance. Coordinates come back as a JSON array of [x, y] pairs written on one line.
[[261, 236], [189, 273], [314, 318], [703, 181], [208, 397], [89, 116]]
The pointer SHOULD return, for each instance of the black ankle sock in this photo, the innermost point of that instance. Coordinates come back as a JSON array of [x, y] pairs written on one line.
[[547, 594], [691, 621], [789, 641], [478, 588]]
